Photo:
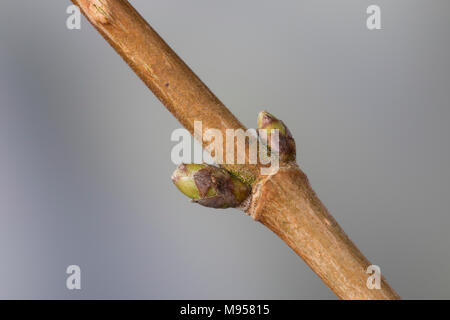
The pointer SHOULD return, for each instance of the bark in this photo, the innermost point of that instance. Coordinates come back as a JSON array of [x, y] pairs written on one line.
[[287, 205]]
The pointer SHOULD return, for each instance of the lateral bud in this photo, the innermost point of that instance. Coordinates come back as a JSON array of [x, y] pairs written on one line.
[[286, 143], [210, 186]]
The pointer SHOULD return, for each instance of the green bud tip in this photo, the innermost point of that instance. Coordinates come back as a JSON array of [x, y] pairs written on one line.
[[286, 147], [210, 186]]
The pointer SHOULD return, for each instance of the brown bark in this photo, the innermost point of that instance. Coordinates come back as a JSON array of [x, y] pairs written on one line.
[[284, 202], [287, 205], [160, 68]]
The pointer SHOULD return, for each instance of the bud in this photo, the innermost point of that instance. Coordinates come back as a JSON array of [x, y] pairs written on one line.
[[286, 145], [210, 186]]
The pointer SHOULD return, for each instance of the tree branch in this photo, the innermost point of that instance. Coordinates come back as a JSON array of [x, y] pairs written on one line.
[[285, 201]]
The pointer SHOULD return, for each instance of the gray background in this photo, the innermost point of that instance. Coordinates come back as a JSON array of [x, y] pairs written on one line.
[[85, 148]]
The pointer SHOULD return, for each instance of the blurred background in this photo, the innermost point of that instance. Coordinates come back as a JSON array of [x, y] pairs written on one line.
[[85, 148]]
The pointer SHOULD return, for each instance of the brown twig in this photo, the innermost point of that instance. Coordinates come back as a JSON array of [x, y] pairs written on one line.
[[285, 201]]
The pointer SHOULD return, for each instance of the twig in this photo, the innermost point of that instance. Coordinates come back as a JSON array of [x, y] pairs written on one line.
[[285, 201]]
